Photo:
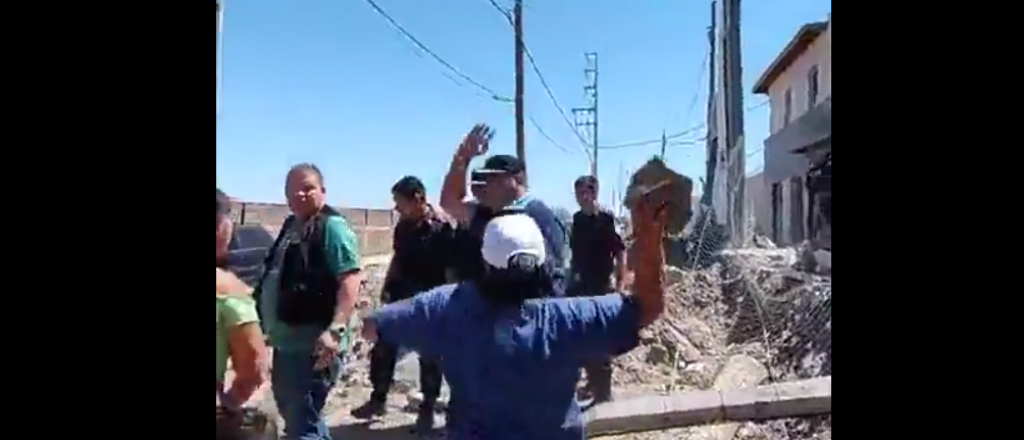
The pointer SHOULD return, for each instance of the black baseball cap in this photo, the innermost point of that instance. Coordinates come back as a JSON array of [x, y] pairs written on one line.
[[502, 164]]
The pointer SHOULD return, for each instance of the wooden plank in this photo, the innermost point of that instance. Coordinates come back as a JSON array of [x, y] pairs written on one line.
[[789, 399]]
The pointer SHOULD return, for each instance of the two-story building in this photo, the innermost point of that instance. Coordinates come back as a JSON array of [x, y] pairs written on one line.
[[787, 202]]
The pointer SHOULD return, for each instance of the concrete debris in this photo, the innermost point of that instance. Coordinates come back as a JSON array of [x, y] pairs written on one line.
[[760, 303]]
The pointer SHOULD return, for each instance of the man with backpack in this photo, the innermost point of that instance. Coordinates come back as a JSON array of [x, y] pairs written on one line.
[[307, 294]]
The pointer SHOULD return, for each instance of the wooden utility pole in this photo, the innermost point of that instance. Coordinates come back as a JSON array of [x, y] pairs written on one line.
[[517, 25], [711, 140], [731, 133]]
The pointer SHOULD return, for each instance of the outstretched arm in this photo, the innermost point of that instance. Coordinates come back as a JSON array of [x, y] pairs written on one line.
[[415, 323]]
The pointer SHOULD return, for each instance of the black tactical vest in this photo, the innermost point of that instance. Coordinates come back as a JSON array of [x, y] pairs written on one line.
[[308, 288]]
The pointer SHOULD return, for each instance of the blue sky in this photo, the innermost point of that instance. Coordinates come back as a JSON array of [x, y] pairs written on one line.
[[330, 82]]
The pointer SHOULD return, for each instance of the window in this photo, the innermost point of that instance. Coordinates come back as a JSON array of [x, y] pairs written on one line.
[[812, 87], [787, 107]]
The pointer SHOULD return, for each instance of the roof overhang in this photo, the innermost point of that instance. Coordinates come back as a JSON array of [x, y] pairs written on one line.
[[804, 38]]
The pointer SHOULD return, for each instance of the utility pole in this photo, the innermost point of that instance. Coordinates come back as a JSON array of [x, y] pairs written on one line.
[[517, 24], [731, 121], [586, 117], [711, 140]]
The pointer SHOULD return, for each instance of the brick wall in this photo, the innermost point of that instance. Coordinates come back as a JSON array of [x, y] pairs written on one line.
[[373, 226]]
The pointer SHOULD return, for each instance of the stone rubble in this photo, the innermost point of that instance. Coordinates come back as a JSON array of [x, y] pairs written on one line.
[[772, 304]]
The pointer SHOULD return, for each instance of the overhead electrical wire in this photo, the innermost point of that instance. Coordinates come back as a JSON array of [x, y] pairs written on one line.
[[398, 27], [653, 141], [503, 11], [545, 135], [455, 75], [554, 101], [676, 135], [547, 90]]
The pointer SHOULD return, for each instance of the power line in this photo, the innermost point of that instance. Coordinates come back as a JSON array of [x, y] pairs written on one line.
[[547, 89], [502, 10], [675, 135], [545, 135], [654, 141], [700, 80], [670, 144], [398, 27], [551, 96]]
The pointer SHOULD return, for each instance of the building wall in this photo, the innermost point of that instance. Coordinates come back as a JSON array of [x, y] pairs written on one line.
[[759, 204], [795, 78], [373, 226]]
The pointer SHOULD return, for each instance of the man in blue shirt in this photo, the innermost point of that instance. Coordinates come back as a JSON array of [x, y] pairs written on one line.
[[504, 190], [511, 356]]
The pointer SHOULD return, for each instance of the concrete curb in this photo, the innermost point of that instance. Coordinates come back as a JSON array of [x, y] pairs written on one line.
[[788, 399]]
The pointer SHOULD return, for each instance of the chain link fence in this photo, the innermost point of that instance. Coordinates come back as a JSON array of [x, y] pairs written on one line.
[[776, 299], [776, 296]]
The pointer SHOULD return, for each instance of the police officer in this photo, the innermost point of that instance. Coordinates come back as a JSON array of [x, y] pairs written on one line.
[[597, 252], [424, 239]]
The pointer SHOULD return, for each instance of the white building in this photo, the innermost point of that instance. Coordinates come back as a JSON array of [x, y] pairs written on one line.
[[799, 88]]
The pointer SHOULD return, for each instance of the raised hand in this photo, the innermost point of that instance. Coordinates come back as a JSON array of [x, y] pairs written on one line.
[[476, 142], [650, 214]]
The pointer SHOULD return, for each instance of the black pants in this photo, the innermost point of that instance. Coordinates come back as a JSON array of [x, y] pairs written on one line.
[[599, 373], [383, 359]]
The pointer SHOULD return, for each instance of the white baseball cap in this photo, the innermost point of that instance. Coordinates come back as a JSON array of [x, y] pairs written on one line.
[[509, 235]]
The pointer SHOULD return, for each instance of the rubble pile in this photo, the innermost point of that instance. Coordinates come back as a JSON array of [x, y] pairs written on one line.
[[771, 304]]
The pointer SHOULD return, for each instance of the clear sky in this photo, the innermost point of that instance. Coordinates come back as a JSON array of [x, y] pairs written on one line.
[[330, 82]]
